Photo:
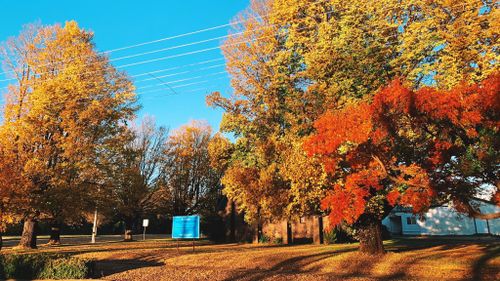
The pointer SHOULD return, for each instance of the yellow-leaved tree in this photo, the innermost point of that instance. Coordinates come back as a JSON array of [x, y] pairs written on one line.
[[66, 108], [292, 60]]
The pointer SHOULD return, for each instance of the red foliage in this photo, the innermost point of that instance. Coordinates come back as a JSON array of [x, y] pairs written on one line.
[[344, 204], [395, 98], [393, 197], [438, 153], [336, 128], [397, 121]]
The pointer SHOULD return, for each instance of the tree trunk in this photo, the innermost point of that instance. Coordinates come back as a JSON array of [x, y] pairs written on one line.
[[232, 223], [321, 230], [128, 230], [55, 233], [1, 241], [370, 237], [28, 238], [94, 227]]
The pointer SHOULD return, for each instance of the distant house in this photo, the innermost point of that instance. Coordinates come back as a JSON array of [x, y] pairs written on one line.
[[442, 220]]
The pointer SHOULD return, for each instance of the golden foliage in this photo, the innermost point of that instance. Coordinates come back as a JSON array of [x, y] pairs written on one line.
[[68, 104]]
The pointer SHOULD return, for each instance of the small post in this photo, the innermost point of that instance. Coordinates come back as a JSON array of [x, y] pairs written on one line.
[[193, 245], [145, 224]]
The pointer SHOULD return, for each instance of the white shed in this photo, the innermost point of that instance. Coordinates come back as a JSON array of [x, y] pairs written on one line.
[[442, 220]]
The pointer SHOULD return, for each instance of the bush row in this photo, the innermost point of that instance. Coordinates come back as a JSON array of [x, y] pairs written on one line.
[[44, 266]]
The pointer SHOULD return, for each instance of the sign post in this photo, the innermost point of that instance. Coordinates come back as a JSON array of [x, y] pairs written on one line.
[[145, 224], [186, 227]]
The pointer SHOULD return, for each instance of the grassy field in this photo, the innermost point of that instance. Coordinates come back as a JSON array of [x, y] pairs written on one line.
[[452, 258]]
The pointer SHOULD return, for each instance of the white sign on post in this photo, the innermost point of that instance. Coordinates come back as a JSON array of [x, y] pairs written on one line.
[[145, 223]]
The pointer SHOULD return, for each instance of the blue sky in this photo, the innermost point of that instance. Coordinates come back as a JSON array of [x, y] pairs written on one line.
[[123, 23]]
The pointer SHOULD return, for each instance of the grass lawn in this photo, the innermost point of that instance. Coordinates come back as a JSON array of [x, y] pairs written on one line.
[[449, 258]]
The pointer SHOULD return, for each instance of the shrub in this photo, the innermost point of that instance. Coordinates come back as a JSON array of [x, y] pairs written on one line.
[[278, 241], [44, 266], [339, 234], [66, 268], [264, 239], [330, 237], [25, 266]]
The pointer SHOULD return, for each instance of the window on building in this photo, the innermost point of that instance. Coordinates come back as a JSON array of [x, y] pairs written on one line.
[[411, 220]]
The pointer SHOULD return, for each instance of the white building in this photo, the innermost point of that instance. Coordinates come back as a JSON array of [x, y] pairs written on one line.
[[442, 220]]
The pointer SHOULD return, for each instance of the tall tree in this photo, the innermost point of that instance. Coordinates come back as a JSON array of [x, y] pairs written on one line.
[[193, 184], [292, 60], [412, 148], [67, 106], [138, 173]]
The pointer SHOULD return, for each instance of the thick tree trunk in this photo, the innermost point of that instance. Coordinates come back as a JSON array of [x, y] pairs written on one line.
[[370, 238], [321, 230], [128, 236], [55, 233], [28, 238]]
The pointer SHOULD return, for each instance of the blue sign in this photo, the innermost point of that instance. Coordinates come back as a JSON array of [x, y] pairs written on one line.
[[186, 227]]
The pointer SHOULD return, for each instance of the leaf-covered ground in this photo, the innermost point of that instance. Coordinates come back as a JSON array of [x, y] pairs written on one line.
[[451, 258]]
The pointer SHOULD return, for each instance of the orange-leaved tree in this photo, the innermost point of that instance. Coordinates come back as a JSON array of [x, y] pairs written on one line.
[[290, 60], [9, 196], [66, 107], [411, 148]]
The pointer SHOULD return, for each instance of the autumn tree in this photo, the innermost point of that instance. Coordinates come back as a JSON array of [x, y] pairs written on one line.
[[411, 148], [66, 107], [266, 107], [9, 196], [193, 183], [138, 174], [290, 61]]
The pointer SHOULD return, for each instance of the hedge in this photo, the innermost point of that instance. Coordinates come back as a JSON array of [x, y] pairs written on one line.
[[44, 266]]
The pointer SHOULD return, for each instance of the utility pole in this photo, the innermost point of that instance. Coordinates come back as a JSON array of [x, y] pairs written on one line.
[[94, 227]]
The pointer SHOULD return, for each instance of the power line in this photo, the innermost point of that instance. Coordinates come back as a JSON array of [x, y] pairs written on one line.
[[183, 85], [196, 52], [166, 84], [177, 67], [181, 54], [182, 80], [182, 45], [182, 72], [167, 57], [182, 35], [190, 53]]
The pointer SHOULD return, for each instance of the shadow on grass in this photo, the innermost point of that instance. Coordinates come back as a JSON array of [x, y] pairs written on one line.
[[361, 266], [416, 251], [480, 268], [289, 266], [108, 266]]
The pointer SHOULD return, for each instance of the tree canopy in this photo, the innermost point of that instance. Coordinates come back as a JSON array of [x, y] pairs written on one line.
[[292, 61], [68, 105]]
